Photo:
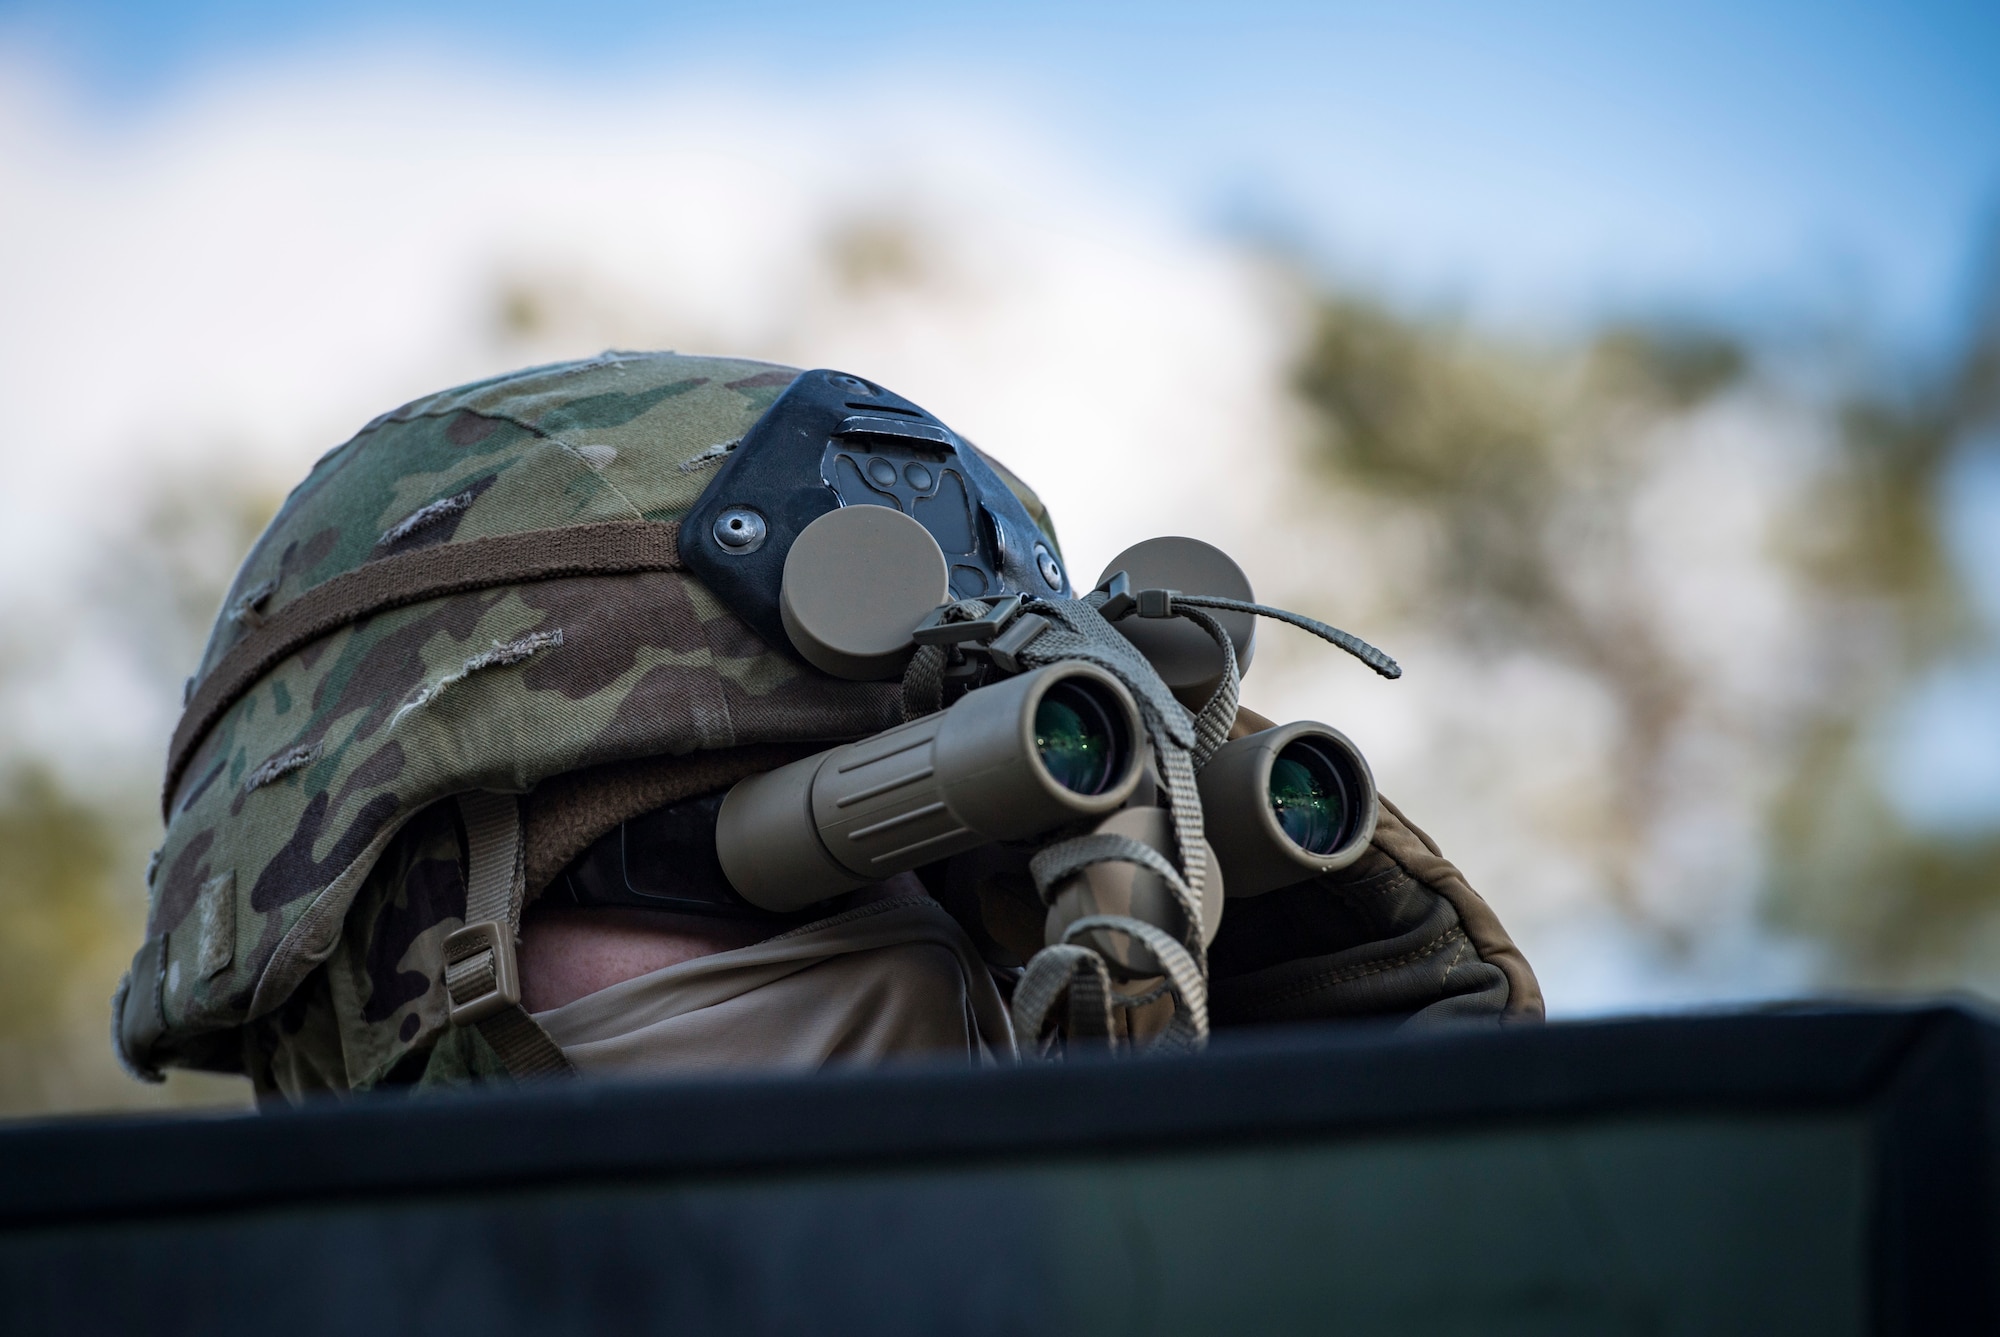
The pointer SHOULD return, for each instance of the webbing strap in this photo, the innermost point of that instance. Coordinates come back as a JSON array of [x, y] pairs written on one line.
[[1080, 632], [481, 975], [1054, 864], [1057, 969], [1189, 1029], [1077, 630], [923, 683], [612, 547], [1212, 721], [493, 891], [1069, 967]]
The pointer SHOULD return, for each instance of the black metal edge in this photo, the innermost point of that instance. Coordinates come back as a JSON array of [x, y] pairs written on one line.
[[1310, 1082], [1935, 1228]]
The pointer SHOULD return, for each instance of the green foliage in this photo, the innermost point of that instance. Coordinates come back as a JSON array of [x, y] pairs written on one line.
[[1500, 444], [56, 907], [71, 908], [1677, 367], [161, 579], [1872, 528], [1430, 418], [72, 861], [1525, 462], [1426, 412], [1898, 905], [1521, 463]]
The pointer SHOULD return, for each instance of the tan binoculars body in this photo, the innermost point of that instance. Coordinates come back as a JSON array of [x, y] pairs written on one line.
[[972, 774]]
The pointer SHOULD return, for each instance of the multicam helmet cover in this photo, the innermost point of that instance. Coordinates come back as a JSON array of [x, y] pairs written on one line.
[[479, 591]]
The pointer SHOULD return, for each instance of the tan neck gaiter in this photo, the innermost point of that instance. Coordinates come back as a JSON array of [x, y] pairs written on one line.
[[893, 978]]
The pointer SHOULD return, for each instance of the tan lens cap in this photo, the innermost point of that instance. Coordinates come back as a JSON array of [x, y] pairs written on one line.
[[1187, 659], [857, 581]]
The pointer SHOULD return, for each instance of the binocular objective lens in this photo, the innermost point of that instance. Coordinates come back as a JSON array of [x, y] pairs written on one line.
[[1308, 799], [1077, 740]]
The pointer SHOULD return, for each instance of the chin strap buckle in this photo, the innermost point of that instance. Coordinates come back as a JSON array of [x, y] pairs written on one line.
[[481, 975], [482, 978]]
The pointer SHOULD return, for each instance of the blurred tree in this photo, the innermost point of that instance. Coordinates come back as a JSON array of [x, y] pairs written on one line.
[[1522, 465], [161, 577], [877, 252], [60, 926], [72, 855], [1901, 905]]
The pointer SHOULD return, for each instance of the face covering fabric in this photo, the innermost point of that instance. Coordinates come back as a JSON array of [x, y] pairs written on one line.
[[892, 978]]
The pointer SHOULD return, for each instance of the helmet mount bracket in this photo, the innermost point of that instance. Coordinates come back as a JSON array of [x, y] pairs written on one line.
[[833, 440]]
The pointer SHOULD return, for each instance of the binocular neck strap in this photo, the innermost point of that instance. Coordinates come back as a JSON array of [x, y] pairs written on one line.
[[1079, 631], [482, 976]]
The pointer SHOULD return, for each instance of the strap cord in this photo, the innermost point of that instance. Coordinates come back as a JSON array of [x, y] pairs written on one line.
[[1348, 641], [1064, 965], [1060, 969]]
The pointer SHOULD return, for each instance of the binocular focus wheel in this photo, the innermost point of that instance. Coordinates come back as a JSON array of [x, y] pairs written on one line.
[[1119, 888]]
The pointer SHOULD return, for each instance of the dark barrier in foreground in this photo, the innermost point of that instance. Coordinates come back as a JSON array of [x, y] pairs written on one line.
[[1823, 1171]]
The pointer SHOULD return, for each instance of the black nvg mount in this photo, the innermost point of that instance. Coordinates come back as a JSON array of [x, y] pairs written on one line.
[[833, 440]]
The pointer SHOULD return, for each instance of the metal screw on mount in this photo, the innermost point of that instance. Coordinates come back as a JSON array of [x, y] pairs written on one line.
[[1051, 570], [740, 530]]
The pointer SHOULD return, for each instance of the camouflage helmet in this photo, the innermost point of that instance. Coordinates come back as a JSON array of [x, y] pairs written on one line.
[[480, 592]]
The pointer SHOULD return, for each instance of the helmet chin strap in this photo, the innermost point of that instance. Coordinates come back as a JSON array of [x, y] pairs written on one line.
[[482, 975]]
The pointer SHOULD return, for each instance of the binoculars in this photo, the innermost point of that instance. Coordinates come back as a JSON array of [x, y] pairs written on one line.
[[1039, 753], [1029, 756]]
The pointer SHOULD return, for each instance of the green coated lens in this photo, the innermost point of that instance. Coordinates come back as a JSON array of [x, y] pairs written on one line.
[[1075, 739], [1308, 799]]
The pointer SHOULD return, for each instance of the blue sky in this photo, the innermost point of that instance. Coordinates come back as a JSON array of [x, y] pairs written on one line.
[[1782, 161]]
